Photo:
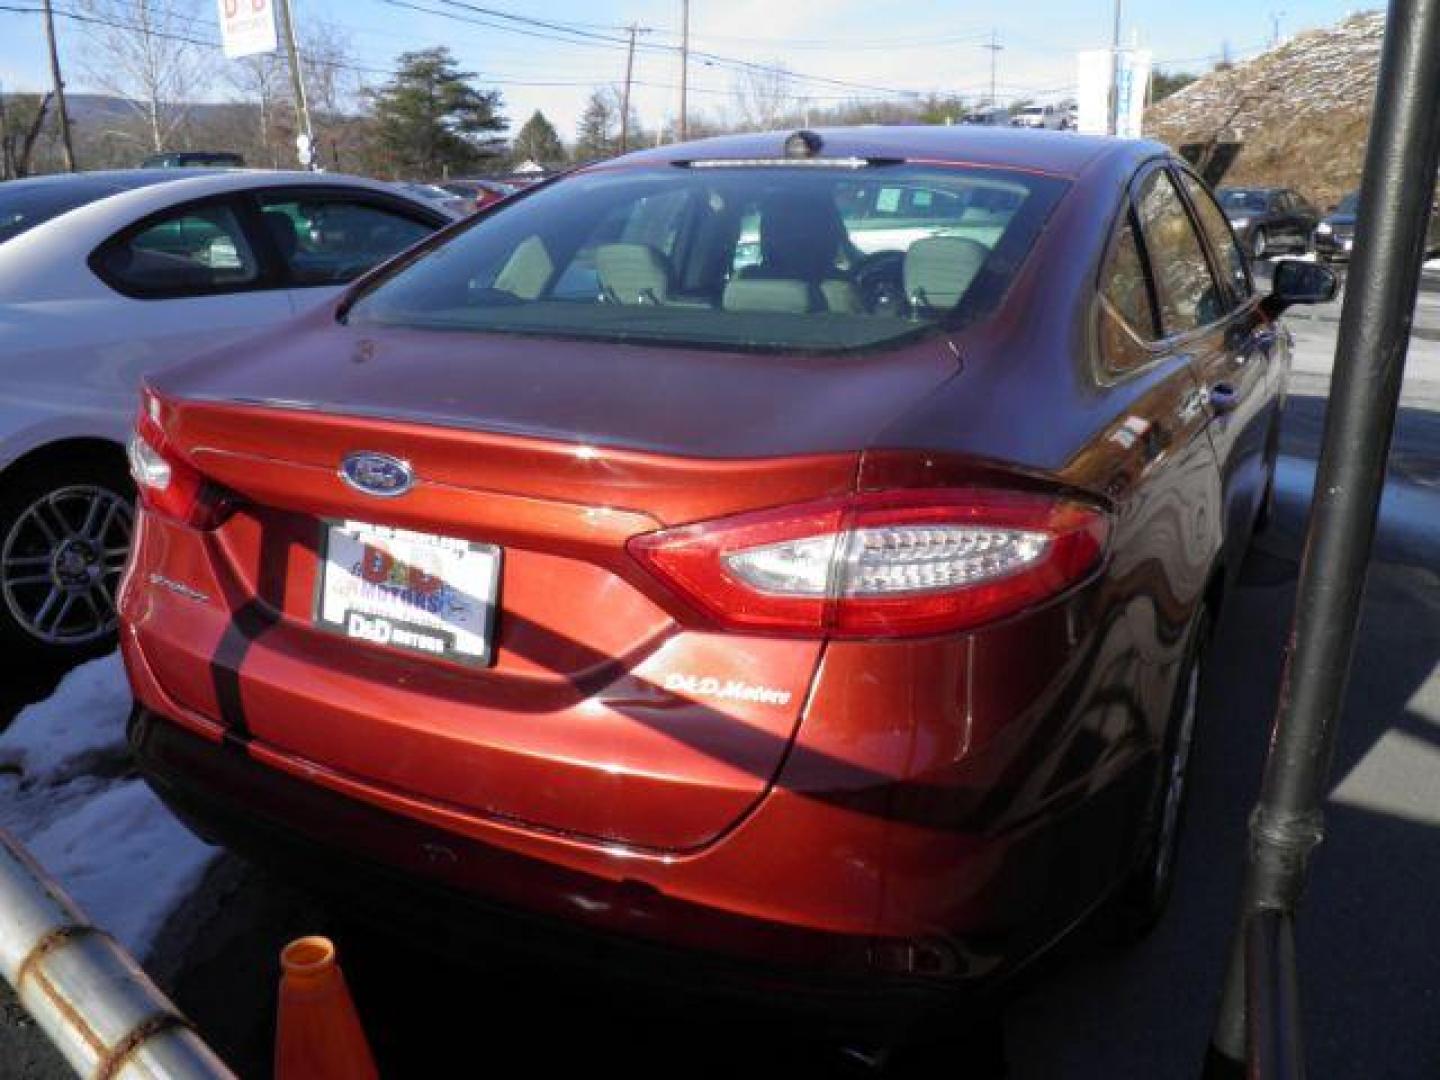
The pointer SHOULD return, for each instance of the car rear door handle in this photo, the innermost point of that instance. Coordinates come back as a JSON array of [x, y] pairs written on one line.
[[1223, 399]]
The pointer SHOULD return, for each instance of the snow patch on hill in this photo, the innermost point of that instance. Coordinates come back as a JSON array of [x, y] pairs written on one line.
[[1301, 110]]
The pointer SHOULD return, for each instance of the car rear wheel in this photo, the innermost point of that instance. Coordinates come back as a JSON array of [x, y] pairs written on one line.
[[65, 532], [1144, 895]]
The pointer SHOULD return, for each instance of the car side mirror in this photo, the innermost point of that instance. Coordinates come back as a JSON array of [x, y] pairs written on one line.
[[1296, 282]]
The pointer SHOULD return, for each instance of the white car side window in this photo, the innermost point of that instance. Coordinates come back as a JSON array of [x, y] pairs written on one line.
[[194, 251]]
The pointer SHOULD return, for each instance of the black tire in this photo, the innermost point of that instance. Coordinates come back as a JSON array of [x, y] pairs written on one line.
[[1143, 896], [52, 552]]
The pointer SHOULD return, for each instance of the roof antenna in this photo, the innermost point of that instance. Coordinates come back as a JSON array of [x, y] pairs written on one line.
[[803, 144]]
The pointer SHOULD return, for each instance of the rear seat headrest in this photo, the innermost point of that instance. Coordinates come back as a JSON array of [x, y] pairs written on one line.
[[939, 270], [784, 295], [632, 273]]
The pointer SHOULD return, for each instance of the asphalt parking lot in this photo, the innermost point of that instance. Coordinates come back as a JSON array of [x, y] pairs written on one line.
[[1368, 947]]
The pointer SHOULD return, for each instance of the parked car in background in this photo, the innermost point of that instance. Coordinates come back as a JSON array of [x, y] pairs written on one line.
[[830, 616], [1335, 233], [1269, 221], [105, 277], [994, 116], [1051, 117], [457, 206], [480, 193], [194, 159]]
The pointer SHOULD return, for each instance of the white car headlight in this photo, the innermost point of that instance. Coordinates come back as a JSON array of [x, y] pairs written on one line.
[[1239, 222], [1324, 228]]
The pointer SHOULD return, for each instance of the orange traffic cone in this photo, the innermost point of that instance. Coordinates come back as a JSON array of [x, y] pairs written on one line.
[[317, 1034]]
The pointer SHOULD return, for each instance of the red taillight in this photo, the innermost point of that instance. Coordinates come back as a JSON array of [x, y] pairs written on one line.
[[882, 564], [169, 485]]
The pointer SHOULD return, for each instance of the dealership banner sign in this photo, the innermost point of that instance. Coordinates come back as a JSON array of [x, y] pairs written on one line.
[[1132, 82], [1128, 73], [247, 27]]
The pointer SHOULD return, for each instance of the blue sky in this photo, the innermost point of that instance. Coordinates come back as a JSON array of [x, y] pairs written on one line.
[[836, 46]]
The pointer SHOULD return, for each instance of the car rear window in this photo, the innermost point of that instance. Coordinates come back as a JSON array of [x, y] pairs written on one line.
[[772, 258], [1254, 201]]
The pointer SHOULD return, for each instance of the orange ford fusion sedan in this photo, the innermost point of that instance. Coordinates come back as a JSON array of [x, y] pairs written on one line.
[[792, 554]]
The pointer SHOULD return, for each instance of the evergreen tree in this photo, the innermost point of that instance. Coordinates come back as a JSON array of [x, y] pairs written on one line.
[[430, 119], [538, 141]]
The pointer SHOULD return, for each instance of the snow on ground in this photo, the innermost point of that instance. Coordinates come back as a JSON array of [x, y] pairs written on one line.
[[68, 792]]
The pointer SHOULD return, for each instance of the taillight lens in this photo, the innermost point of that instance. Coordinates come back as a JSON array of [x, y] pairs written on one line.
[[169, 485], [885, 564]]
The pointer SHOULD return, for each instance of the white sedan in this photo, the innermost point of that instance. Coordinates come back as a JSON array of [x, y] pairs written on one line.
[[105, 277]]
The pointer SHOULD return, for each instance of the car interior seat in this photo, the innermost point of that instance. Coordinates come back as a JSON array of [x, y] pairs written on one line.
[[802, 239], [939, 270], [632, 274]]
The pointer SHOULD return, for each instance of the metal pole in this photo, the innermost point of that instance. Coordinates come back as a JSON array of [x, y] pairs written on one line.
[[297, 80], [625, 97], [100, 1010], [59, 86], [994, 46], [1395, 201], [684, 69]]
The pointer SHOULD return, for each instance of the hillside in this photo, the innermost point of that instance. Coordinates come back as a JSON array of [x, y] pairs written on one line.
[[1298, 114]]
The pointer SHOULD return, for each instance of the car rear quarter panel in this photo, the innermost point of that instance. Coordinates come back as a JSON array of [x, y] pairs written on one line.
[[1044, 729]]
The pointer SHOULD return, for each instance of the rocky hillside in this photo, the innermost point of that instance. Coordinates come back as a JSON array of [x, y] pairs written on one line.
[[1297, 116]]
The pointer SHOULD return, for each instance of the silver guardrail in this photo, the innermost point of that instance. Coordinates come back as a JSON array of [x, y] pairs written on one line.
[[102, 1012]]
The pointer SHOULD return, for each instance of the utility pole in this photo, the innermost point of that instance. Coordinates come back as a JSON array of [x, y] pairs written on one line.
[[1275, 17], [305, 140], [59, 85], [625, 97], [684, 69], [994, 46], [1113, 124]]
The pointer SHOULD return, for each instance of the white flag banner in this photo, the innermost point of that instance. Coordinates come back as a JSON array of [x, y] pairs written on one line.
[[1132, 81], [1092, 99], [247, 27]]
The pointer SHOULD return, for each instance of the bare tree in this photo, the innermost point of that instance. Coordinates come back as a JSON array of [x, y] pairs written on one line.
[[328, 60], [765, 95], [16, 146], [146, 53], [263, 82]]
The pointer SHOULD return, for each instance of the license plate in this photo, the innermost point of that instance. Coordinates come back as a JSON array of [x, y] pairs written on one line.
[[427, 594]]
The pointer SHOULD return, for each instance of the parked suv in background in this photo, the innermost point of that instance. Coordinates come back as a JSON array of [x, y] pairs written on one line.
[[1269, 221], [1335, 234], [194, 159], [1052, 117]]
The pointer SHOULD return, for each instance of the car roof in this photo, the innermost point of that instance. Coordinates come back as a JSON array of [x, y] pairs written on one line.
[[1055, 153], [101, 181]]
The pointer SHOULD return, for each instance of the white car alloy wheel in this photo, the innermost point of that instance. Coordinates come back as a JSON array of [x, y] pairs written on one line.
[[60, 564]]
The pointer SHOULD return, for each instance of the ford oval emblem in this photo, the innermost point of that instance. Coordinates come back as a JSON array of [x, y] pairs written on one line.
[[377, 474]]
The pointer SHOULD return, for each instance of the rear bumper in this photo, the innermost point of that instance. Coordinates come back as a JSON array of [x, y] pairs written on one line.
[[428, 880]]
